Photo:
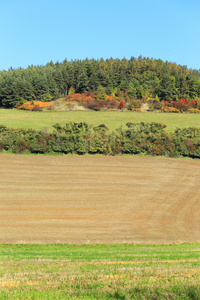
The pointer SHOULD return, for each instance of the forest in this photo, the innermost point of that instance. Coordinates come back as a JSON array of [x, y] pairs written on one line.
[[137, 78]]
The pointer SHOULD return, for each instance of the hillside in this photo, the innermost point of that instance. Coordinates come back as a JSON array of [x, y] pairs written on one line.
[[141, 78]]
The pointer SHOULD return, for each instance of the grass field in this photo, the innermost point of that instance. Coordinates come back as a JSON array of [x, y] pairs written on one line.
[[118, 271], [113, 119]]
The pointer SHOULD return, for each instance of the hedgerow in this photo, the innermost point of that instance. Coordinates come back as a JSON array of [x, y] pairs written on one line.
[[81, 138]]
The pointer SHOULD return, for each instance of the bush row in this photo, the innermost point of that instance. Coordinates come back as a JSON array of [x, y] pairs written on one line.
[[81, 138], [182, 105], [100, 101]]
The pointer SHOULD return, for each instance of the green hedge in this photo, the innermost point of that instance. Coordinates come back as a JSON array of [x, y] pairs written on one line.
[[81, 138]]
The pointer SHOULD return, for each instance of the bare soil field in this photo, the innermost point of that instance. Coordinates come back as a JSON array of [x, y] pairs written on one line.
[[96, 199]]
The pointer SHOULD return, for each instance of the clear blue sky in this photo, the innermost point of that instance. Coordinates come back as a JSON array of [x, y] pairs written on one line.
[[34, 32]]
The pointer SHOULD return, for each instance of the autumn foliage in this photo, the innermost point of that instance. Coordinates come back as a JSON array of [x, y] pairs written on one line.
[[35, 105], [101, 101], [182, 105], [93, 101], [121, 104]]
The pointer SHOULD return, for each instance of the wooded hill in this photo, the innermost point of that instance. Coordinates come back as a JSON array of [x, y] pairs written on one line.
[[140, 78]]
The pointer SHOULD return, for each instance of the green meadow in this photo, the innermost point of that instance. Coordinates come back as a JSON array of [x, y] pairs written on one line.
[[113, 119], [117, 271]]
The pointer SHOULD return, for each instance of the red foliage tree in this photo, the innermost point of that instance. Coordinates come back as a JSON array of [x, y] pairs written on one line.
[[121, 105]]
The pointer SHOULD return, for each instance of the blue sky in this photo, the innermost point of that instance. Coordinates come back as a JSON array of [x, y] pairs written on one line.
[[38, 31]]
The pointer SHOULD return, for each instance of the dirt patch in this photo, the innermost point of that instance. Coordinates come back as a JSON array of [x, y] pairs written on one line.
[[62, 105], [144, 107], [45, 199]]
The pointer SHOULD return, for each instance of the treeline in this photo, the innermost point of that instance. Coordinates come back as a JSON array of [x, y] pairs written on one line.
[[140, 78], [80, 138]]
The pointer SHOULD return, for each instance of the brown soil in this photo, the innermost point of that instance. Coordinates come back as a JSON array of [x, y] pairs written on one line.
[[45, 199]]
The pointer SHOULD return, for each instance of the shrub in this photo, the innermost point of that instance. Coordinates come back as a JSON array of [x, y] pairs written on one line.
[[100, 128], [182, 105], [121, 104], [35, 105], [37, 108], [194, 110], [80, 138], [46, 97], [71, 90], [134, 104], [136, 109], [170, 109], [91, 101], [94, 105]]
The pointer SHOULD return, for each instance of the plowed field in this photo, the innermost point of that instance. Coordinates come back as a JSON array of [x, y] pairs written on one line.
[[48, 199]]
